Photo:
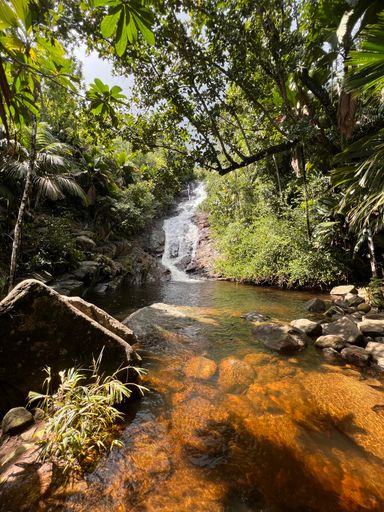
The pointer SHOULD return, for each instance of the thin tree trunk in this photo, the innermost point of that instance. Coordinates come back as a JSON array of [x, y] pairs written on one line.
[[278, 177], [23, 204], [301, 159], [372, 255]]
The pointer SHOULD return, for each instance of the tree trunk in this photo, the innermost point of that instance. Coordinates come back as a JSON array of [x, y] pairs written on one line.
[[278, 178], [23, 204], [372, 255], [301, 159]]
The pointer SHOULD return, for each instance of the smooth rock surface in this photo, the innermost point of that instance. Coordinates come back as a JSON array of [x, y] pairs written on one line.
[[375, 349], [345, 328], [307, 326], [372, 327], [330, 341], [280, 337], [16, 420], [200, 368], [364, 307], [343, 290]]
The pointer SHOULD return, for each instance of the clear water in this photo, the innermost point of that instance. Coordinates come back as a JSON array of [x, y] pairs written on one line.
[[302, 436]]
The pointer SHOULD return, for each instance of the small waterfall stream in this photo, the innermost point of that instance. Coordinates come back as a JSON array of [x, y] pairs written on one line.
[[181, 234]]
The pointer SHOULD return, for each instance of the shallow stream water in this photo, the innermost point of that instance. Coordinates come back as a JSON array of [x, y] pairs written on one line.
[[300, 435]]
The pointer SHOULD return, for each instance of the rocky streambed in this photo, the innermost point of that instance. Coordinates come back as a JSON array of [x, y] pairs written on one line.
[[228, 424]]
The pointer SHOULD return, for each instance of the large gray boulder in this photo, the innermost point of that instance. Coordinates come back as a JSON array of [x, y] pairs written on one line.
[[40, 328], [330, 341], [281, 338], [345, 328]]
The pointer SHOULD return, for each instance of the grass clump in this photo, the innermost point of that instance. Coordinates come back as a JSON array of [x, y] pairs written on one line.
[[81, 417]]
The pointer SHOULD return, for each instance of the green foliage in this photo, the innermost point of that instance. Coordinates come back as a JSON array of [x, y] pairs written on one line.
[[275, 250], [367, 63], [81, 417], [104, 99], [123, 22], [51, 242], [134, 207], [375, 293], [262, 239]]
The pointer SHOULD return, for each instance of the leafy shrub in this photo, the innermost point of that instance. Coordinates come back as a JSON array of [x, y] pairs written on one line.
[[81, 417], [134, 207], [52, 243]]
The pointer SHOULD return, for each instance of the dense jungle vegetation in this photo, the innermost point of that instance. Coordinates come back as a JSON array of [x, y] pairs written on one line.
[[278, 103]]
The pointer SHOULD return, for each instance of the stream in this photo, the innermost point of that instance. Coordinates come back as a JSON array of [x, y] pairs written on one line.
[[295, 434]]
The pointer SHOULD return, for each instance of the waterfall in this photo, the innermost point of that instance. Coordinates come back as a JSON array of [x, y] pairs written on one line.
[[181, 234]]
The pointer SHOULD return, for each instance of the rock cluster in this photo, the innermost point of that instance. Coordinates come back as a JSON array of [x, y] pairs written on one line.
[[344, 328]]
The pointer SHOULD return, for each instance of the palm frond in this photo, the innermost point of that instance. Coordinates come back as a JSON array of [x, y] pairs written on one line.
[[368, 62], [47, 187]]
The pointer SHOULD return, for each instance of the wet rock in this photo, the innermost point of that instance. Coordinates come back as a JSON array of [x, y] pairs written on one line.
[[51, 331], [364, 307], [68, 286], [356, 355], [330, 341], [85, 243], [200, 368], [307, 327], [331, 353], [345, 328], [343, 290], [281, 338], [375, 349], [372, 327], [315, 306], [234, 375], [256, 317], [87, 271], [16, 420]]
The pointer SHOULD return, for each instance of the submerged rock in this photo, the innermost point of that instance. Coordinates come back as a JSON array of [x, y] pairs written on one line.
[[43, 328], [200, 368], [256, 317], [281, 338], [234, 375]]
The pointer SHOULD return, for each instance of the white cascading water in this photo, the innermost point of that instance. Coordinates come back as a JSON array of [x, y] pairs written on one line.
[[181, 234]]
